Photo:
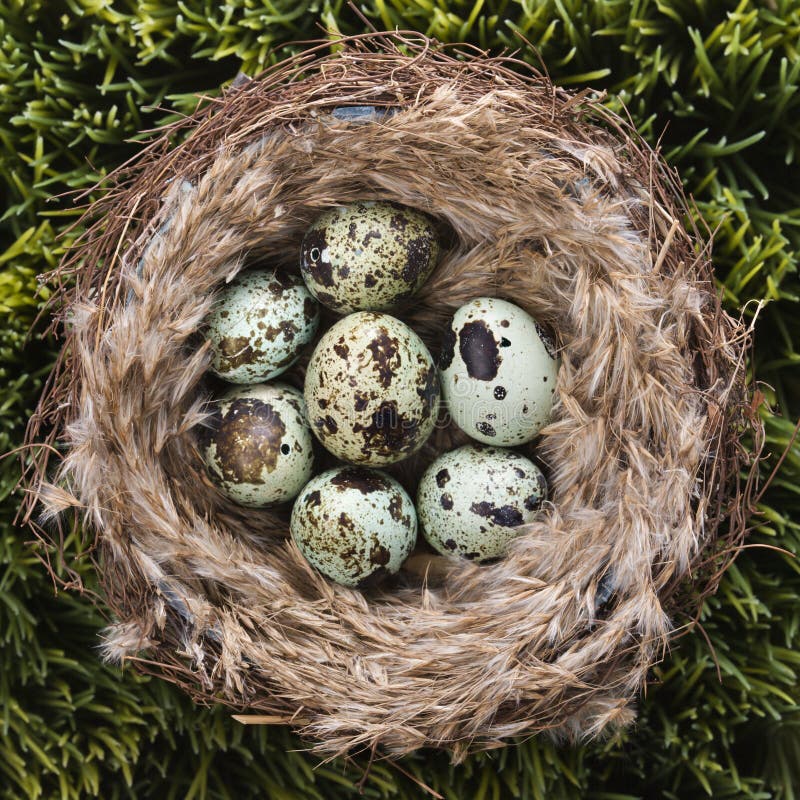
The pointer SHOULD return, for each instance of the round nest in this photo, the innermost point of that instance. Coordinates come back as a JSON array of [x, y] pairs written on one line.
[[542, 197]]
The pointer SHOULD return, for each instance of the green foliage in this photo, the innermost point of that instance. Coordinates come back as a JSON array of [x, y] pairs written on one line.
[[715, 83]]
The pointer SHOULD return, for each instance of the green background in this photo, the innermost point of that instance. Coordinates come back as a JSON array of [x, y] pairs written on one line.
[[716, 82]]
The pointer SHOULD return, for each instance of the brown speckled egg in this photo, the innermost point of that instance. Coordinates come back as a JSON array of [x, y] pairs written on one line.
[[368, 255], [354, 524], [261, 321], [372, 390], [258, 447], [471, 500], [498, 369]]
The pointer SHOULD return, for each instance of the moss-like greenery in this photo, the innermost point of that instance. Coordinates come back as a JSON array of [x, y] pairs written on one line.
[[715, 82]]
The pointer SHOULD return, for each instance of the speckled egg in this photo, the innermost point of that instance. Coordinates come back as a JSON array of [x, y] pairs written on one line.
[[258, 447], [372, 390], [471, 500], [259, 324], [354, 524], [368, 255], [498, 370]]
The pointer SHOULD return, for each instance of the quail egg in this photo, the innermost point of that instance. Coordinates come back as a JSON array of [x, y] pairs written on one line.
[[258, 447], [498, 370], [372, 390], [368, 255], [471, 500], [259, 325], [354, 524]]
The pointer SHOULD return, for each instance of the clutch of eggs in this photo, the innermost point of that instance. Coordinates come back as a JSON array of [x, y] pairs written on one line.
[[371, 397], [498, 372], [368, 256]]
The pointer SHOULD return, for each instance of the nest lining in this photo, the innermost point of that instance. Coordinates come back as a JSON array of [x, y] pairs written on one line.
[[579, 224]]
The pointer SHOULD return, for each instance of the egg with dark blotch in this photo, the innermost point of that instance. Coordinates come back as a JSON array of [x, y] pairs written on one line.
[[259, 324], [498, 369], [471, 501], [368, 255], [258, 447], [372, 390], [355, 525]]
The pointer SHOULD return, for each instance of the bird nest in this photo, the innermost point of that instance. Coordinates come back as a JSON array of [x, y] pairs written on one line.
[[542, 197]]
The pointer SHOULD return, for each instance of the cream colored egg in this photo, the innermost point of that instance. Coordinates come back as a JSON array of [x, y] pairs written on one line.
[[471, 501], [498, 370], [372, 390], [354, 524], [261, 321], [368, 255], [258, 447]]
